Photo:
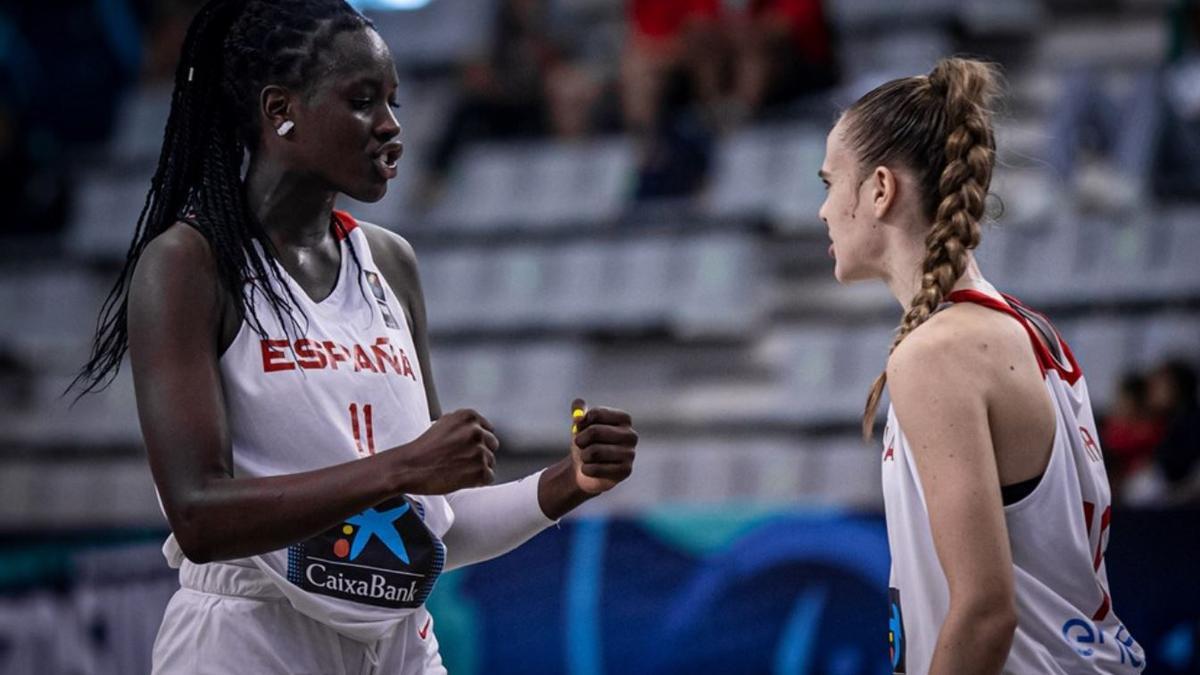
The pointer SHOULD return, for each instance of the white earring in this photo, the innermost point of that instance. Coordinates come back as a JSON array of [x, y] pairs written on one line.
[[285, 128]]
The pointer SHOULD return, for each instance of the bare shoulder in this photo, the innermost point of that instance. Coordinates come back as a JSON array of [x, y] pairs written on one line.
[[175, 261], [174, 296], [389, 247], [178, 244], [965, 338]]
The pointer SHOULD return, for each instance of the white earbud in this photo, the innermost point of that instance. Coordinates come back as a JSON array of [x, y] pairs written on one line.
[[285, 128]]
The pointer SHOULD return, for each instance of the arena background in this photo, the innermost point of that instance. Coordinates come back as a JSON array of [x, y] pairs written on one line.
[[617, 200]]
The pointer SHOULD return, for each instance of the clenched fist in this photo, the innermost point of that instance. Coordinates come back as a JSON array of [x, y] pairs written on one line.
[[457, 452], [603, 446]]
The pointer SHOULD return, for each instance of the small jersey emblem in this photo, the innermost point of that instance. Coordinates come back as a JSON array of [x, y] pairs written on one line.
[[376, 284]]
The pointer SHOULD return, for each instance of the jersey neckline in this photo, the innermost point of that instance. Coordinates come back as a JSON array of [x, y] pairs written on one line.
[[341, 225]]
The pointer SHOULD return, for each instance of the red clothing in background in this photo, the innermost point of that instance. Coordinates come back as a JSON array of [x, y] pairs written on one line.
[[1130, 441], [663, 20]]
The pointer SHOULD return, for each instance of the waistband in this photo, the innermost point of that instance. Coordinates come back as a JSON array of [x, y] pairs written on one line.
[[228, 578]]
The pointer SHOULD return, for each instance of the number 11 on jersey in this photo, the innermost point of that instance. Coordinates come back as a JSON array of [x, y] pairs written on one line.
[[367, 429]]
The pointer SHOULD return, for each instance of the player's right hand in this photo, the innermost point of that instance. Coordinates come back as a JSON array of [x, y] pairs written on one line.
[[457, 452]]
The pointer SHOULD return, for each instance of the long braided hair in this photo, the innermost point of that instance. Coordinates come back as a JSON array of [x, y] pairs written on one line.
[[938, 126], [233, 49]]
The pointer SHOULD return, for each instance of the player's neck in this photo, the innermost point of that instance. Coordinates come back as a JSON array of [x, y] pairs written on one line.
[[904, 269], [291, 209]]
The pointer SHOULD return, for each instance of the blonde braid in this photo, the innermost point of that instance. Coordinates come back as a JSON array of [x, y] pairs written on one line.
[[962, 186]]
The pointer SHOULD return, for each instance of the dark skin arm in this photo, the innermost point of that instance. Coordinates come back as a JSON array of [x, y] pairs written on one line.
[[603, 450], [175, 319]]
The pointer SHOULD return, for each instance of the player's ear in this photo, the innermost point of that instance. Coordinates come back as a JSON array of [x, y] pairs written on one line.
[[275, 108], [884, 191]]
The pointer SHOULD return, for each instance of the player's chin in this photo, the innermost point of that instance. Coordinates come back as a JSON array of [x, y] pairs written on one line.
[[368, 191], [845, 272], [839, 272]]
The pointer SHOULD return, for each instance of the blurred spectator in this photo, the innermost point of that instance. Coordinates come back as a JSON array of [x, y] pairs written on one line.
[[1178, 172], [674, 53], [504, 95], [694, 68], [784, 50], [733, 60], [574, 94], [1107, 130], [1131, 431], [674, 160], [528, 86], [1141, 130], [1171, 393], [1174, 477]]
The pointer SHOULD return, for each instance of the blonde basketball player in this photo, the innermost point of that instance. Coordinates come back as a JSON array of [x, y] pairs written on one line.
[[995, 491]]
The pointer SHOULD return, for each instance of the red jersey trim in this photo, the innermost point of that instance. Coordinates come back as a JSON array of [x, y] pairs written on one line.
[[1069, 372], [346, 223]]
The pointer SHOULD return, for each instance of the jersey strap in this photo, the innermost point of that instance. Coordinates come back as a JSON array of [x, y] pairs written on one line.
[[345, 224], [1067, 367]]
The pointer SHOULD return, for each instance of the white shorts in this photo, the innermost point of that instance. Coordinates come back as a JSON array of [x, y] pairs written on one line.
[[228, 619]]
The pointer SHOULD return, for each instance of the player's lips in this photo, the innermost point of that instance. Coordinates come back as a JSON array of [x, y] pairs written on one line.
[[386, 158]]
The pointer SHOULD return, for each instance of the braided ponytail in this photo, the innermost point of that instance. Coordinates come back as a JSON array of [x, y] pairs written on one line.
[[938, 125]]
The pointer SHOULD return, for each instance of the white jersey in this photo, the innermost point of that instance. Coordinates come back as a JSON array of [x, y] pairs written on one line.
[[1057, 533], [350, 387]]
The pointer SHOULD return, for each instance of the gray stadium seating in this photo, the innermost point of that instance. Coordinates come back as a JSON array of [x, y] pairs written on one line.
[[50, 313], [141, 121], [1104, 347], [718, 288], [543, 264], [105, 212], [540, 185], [761, 172]]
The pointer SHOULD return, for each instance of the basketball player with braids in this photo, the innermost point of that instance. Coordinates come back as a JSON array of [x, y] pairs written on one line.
[[314, 489], [994, 487]]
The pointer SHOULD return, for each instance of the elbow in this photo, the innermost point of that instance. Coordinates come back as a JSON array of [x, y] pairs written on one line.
[[993, 620], [1000, 626], [1004, 625], [193, 545], [190, 534]]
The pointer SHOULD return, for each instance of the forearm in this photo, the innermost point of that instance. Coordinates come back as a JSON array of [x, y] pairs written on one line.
[[491, 521], [558, 491], [222, 517], [973, 642]]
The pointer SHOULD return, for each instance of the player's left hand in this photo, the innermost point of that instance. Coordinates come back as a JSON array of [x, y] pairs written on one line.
[[603, 446]]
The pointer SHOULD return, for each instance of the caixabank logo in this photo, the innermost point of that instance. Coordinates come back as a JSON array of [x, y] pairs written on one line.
[[384, 556]]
